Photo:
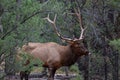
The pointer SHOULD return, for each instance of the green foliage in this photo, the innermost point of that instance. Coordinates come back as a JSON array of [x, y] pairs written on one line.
[[74, 68], [22, 63], [2, 76], [79, 77], [115, 44], [1, 43], [114, 4]]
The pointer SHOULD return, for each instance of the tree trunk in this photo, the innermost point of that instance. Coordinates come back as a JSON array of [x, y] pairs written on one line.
[[115, 60], [105, 68], [116, 66], [105, 62], [86, 70], [1, 10]]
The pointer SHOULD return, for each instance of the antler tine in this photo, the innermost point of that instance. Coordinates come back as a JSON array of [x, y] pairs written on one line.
[[49, 20], [55, 28], [78, 13]]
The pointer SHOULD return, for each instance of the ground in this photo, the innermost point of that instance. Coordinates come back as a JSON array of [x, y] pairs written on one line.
[[35, 76]]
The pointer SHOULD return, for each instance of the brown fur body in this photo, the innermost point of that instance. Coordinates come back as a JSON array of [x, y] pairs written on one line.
[[54, 55]]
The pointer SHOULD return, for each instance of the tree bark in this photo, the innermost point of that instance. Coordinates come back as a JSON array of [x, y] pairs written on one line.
[[86, 70], [105, 68], [115, 60], [115, 65]]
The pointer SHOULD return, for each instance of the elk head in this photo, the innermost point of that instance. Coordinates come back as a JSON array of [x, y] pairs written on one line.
[[76, 44]]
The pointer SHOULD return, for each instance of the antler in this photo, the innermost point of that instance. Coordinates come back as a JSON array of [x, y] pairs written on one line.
[[78, 14], [55, 28]]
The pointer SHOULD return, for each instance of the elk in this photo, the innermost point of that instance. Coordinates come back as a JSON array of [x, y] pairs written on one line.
[[54, 55]]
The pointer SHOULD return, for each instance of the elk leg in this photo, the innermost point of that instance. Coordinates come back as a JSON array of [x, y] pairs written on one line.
[[27, 75], [21, 78], [66, 71], [44, 72], [21, 75], [24, 74], [51, 73]]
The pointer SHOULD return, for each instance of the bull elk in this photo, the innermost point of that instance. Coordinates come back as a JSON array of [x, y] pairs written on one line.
[[54, 55]]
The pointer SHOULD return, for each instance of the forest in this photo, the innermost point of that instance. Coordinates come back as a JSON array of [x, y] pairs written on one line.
[[24, 21]]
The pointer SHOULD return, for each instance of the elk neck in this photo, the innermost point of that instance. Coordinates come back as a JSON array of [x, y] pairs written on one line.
[[68, 57]]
